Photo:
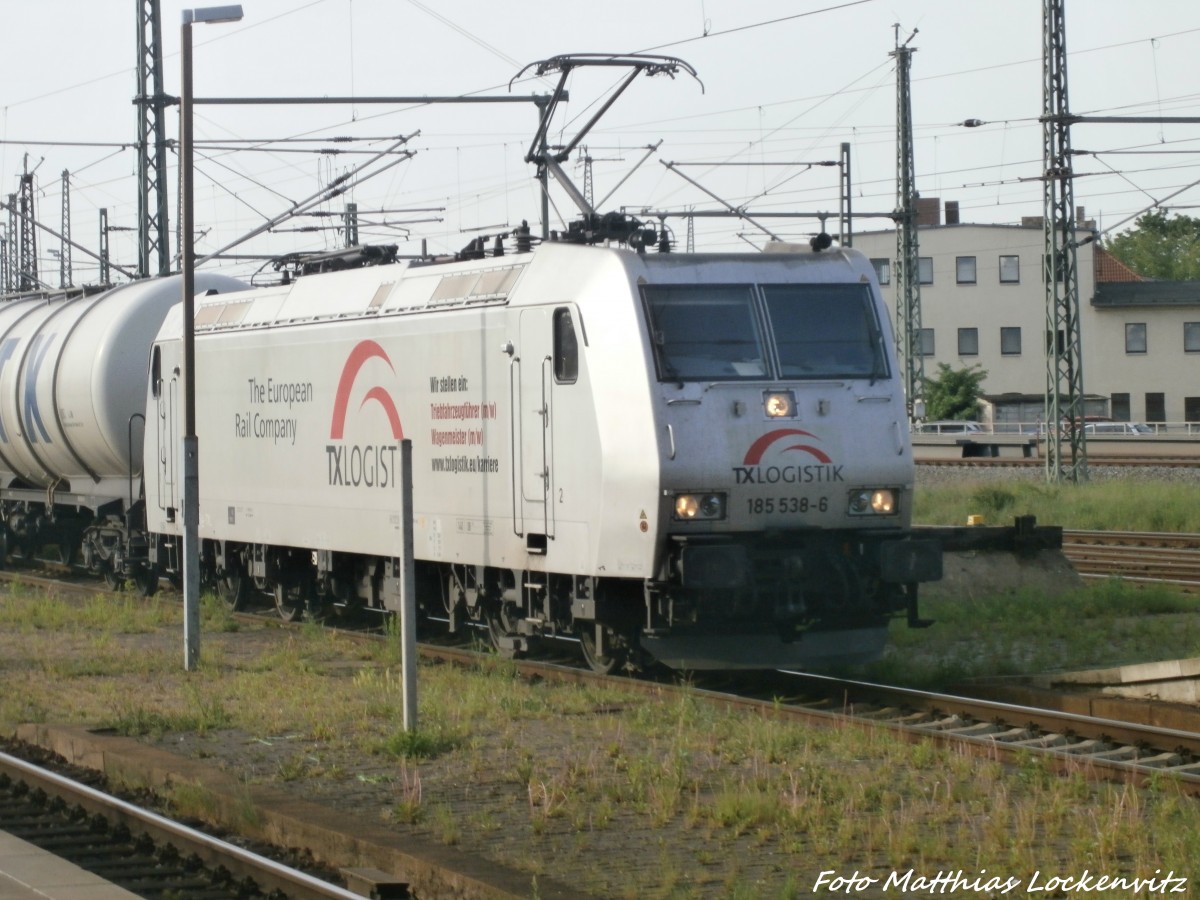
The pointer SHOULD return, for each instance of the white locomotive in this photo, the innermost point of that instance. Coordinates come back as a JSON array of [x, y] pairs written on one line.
[[700, 458]]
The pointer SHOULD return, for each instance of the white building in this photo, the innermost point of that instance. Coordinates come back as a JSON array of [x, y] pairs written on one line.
[[983, 302]]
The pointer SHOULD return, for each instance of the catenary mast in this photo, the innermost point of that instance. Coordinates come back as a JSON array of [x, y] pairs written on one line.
[[908, 283], [1066, 449], [154, 256]]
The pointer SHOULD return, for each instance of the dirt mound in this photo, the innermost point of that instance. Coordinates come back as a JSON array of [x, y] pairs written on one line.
[[968, 574]]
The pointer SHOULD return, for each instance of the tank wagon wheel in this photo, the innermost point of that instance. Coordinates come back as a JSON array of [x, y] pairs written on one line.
[[614, 655]]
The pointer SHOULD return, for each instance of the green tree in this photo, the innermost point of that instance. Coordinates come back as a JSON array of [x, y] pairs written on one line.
[[954, 393], [1159, 247]]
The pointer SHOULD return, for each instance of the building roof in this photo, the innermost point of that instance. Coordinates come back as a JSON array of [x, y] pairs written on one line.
[[1110, 269]]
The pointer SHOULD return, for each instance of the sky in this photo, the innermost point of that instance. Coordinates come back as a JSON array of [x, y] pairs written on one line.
[[780, 85]]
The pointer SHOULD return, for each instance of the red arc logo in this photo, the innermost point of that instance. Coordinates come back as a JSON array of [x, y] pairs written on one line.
[[757, 450], [362, 352]]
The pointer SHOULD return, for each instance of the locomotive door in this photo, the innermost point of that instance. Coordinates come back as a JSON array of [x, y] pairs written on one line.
[[533, 410], [166, 395]]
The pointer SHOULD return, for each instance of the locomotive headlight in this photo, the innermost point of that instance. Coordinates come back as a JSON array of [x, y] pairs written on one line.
[[709, 507], [872, 502], [686, 506], [779, 404]]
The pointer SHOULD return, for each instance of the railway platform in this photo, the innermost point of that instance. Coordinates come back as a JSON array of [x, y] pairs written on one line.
[[30, 873]]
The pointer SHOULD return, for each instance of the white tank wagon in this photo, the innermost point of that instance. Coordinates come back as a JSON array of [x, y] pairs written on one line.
[[72, 406], [700, 458]]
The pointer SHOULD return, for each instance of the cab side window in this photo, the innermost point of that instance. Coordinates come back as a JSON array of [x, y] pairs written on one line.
[[155, 371], [566, 348]]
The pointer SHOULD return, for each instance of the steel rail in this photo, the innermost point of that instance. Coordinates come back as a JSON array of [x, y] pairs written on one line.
[[1139, 556], [1108, 538], [268, 874], [1183, 741]]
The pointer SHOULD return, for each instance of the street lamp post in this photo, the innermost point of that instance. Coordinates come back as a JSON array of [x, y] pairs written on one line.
[[191, 460]]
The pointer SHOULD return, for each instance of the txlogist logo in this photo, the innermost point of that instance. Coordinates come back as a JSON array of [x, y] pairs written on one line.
[[770, 460], [363, 465]]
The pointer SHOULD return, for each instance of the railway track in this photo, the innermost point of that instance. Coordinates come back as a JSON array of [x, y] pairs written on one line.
[[1098, 747], [1146, 557], [1094, 747], [137, 849]]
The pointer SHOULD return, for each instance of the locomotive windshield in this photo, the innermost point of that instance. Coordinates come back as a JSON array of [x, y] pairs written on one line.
[[748, 332], [825, 331], [705, 332]]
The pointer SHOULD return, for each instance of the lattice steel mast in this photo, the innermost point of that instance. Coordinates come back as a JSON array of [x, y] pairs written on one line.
[[27, 266], [12, 277], [1064, 347], [154, 256], [65, 275], [908, 282]]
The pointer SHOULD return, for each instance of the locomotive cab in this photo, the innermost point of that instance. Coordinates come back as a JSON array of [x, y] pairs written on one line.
[[787, 470]]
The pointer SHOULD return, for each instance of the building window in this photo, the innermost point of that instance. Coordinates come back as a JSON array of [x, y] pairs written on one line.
[[1135, 337], [1010, 270], [925, 342], [1056, 343], [1191, 337], [1120, 407], [968, 342], [1010, 341], [1062, 267], [883, 270], [964, 268], [1191, 409], [925, 269], [1156, 407]]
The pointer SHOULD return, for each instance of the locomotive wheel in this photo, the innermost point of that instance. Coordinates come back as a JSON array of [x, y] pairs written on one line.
[[291, 599], [113, 581], [501, 623], [145, 580], [234, 588], [602, 663]]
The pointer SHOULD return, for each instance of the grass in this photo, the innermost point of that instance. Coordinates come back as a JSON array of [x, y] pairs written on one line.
[[695, 801], [1118, 505], [1108, 623]]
